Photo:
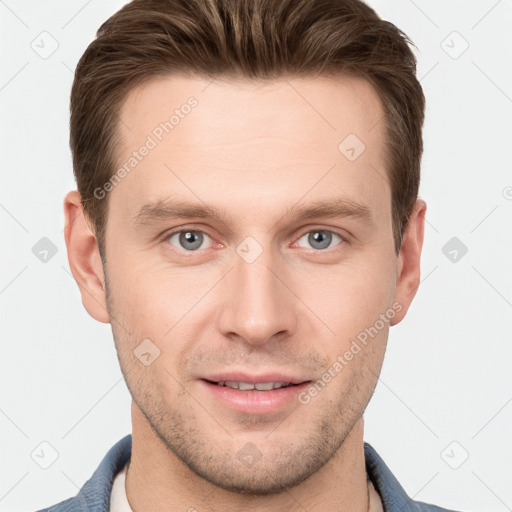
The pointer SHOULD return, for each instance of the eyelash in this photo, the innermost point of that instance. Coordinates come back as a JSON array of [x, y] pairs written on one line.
[[343, 240]]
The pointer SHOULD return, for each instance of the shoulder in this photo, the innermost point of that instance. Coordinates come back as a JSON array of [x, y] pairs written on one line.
[[94, 496], [393, 496], [419, 506], [69, 505]]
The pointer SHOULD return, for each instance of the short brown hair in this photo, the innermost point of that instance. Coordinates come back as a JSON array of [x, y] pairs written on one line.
[[250, 39]]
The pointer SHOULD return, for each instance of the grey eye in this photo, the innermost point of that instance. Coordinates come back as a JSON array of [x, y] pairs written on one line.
[[188, 240], [319, 239]]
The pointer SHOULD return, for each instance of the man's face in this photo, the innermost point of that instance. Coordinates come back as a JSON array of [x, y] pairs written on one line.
[[261, 294]]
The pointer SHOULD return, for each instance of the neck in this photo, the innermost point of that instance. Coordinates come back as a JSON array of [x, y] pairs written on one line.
[[157, 479]]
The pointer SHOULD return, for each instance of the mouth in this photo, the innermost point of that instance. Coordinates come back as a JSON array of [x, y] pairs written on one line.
[[255, 395], [248, 386]]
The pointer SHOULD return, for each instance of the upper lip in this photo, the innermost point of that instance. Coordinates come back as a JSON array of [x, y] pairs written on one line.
[[252, 378]]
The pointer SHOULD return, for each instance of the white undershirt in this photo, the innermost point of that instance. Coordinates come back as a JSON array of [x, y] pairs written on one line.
[[119, 501]]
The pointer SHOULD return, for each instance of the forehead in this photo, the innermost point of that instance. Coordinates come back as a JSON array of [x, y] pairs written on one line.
[[330, 105], [264, 141]]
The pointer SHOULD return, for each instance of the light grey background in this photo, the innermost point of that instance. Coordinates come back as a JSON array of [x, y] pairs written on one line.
[[445, 390]]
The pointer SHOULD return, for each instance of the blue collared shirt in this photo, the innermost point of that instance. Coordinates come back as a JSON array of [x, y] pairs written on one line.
[[94, 496]]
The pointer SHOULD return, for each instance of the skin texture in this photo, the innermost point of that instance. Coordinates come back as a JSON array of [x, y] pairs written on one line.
[[255, 150]]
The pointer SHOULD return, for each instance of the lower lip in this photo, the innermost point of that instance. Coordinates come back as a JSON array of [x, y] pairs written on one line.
[[255, 401]]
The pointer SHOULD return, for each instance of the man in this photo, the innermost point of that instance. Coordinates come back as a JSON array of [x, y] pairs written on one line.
[[247, 220]]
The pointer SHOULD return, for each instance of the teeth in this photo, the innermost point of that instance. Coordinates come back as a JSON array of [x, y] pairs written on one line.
[[266, 386], [244, 386], [260, 386]]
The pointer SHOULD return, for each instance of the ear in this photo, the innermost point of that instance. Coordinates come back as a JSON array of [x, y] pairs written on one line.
[[408, 271], [84, 258]]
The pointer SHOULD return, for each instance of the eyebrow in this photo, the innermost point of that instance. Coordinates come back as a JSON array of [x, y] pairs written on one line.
[[165, 209]]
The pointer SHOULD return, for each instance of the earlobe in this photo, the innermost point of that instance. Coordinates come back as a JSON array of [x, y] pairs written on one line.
[[409, 259], [84, 258]]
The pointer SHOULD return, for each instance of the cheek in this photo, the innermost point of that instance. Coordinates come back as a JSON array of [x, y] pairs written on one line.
[[142, 290], [169, 306], [353, 295]]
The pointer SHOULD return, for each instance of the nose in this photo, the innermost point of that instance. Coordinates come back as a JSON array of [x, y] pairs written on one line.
[[258, 306]]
